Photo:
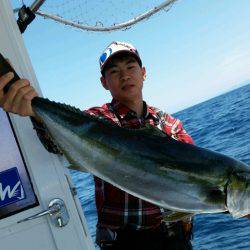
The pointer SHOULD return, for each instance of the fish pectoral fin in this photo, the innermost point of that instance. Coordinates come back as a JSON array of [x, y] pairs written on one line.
[[173, 216]]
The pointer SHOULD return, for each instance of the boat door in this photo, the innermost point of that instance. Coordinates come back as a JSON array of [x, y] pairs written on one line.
[[38, 204]]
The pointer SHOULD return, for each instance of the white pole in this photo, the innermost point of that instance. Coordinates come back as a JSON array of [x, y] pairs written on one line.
[[12, 44]]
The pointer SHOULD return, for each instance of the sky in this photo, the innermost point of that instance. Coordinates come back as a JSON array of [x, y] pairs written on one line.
[[197, 50]]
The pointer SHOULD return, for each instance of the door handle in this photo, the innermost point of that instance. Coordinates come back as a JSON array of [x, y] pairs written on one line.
[[56, 210]]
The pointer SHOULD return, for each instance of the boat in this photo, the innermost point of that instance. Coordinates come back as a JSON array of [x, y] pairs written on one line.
[[39, 207]]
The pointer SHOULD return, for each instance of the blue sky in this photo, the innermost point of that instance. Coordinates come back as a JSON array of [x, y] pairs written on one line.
[[197, 50]]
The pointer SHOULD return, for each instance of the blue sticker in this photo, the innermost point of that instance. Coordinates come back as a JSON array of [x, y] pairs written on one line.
[[103, 57], [11, 189]]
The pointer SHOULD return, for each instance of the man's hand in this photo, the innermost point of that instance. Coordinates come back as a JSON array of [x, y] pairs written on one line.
[[18, 99]]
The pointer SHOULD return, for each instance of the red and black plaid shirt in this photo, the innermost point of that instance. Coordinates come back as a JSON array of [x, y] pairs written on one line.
[[115, 207]]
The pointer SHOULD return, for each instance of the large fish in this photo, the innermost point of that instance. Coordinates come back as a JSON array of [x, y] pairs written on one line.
[[149, 164]]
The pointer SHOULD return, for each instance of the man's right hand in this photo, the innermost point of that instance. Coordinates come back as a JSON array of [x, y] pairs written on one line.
[[18, 98]]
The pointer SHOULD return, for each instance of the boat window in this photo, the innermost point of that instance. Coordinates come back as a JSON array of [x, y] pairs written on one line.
[[16, 190]]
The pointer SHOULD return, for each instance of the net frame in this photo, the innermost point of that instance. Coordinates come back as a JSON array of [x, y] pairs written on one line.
[[97, 28]]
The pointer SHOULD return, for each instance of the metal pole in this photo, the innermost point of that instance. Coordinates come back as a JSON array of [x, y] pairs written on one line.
[[36, 5]]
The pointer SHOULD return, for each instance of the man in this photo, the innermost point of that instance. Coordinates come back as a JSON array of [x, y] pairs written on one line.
[[124, 221]]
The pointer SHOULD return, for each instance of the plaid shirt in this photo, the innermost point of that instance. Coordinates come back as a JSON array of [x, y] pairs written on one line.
[[115, 207]]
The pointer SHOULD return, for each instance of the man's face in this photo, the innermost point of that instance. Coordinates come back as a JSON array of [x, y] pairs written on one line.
[[124, 79]]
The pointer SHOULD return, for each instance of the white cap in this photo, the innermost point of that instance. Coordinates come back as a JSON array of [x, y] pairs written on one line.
[[117, 47]]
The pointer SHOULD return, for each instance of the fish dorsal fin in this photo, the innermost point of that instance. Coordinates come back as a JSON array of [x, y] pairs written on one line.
[[40, 100], [78, 114], [151, 130]]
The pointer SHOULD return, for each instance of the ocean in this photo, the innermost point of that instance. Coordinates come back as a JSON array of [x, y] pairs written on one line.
[[221, 124]]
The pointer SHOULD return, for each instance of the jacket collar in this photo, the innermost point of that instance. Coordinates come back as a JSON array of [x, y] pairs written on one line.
[[125, 112]]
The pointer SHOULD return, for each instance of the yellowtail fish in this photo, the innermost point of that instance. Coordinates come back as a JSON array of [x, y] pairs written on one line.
[[149, 164]]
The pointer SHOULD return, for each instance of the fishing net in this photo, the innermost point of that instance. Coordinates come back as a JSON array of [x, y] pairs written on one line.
[[101, 15]]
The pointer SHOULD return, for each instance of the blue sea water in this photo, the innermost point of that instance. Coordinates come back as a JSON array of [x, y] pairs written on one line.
[[221, 124]]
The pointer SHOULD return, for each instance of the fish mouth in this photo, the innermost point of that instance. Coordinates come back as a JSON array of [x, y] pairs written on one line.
[[238, 195]]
